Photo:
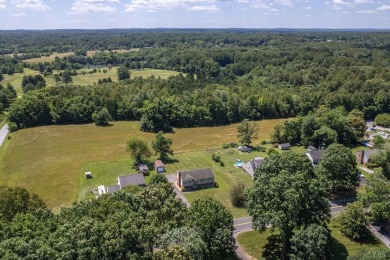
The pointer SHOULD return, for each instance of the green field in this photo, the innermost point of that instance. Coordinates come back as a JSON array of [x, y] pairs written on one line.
[[49, 58], [49, 160], [16, 80], [254, 243]]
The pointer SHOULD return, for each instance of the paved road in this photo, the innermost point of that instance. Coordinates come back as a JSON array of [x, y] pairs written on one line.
[[384, 237], [172, 178], [371, 123], [245, 224], [3, 133]]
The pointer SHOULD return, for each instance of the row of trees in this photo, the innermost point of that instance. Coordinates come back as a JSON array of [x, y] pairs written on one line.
[[322, 128], [147, 224]]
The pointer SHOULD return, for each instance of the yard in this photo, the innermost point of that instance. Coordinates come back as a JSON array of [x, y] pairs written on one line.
[[254, 244], [49, 160]]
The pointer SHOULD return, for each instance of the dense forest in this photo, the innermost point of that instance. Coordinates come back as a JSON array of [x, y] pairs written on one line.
[[229, 75], [148, 223]]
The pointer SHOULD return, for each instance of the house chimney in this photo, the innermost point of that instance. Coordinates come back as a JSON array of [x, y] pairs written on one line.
[[361, 157], [179, 179]]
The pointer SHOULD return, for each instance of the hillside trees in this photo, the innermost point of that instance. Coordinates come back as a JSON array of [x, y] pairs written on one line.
[[286, 195], [162, 145], [337, 168], [353, 222], [247, 131], [383, 120], [149, 224], [138, 149], [33, 82], [215, 226]]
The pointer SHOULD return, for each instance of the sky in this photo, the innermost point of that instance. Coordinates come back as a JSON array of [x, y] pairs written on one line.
[[102, 14]]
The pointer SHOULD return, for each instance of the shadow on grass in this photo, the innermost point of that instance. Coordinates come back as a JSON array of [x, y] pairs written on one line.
[[170, 160], [107, 125], [273, 248], [337, 250]]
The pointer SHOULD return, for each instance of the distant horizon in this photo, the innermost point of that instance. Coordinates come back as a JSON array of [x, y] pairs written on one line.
[[197, 14], [206, 28]]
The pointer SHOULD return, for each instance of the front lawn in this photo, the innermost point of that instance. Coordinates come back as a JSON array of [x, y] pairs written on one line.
[[255, 244]]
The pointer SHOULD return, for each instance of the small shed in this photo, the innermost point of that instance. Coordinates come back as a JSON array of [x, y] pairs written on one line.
[[284, 146], [88, 175], [101, 190], [143, 168], [159, 166]]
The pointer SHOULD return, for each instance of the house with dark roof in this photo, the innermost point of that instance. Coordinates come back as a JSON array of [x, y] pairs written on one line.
[[251, 166], [143, 168], [364, 157], [195, 179], [315, 156], [284, 146], [159, 166], [113, 188], [131, 180]]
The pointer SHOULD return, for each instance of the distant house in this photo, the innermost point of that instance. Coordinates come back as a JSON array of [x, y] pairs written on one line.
[[244, 149], [131, 180], [311, 148], [284, 146], [88, 175], [195, 179], [143, 168], [113, 188], [251, 166], [315, 156], [364, 157], [159, 166]]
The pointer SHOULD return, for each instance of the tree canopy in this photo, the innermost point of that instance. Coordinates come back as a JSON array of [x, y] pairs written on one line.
[[286, 195], [138, 149]]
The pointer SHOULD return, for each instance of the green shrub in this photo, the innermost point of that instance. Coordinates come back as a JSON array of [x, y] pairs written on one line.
[[229, 145], [222, 164], [383, 120], [12, 127], [216, 158]]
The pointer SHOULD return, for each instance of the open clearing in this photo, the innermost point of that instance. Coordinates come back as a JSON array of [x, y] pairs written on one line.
[[253, 243], [48, 160], [49, 58], [90, 79]]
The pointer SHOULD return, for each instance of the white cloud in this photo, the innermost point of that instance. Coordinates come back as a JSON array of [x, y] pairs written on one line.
[[384, 8], [207, 8], [93, 6], [367, 12], [2, 4], [164, 4], [264, 4], [21, 14], [30, 4]]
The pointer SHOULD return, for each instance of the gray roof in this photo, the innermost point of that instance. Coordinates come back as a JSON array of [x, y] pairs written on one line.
[[251, 166], [134, 179], [316, 155], [285, 145], [113, 188], [142, 166], [197, 174], [311, 148], [370, 153]]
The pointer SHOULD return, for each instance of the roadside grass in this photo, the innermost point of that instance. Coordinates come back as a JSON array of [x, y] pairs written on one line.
[[255, 244], [48, 160], [48, 58]]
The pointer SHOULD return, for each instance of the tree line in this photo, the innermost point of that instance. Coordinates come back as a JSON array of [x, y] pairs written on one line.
[[150, 223]]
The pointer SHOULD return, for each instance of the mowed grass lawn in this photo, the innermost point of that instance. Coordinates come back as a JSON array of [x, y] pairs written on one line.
[[48, 160], [254, 243], [90, 79], [48, 58]]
